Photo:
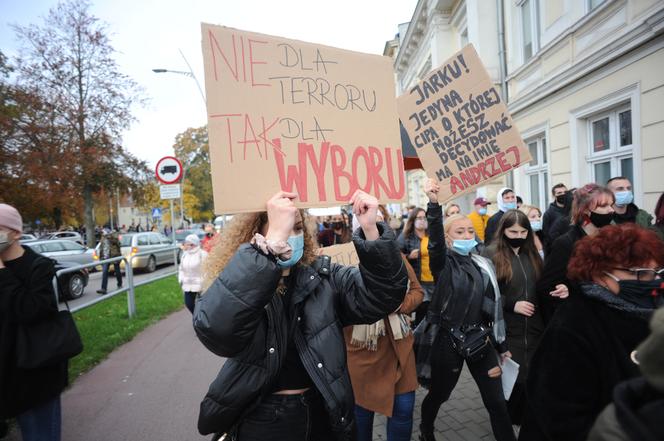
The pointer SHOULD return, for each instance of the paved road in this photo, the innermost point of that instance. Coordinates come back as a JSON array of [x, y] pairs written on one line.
[[150, 390], [94, 284]]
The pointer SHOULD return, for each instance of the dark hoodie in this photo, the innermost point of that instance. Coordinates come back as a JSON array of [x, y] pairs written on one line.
[[634, 214], [634, 415]]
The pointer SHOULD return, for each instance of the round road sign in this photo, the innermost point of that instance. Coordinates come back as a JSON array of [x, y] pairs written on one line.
[[169, 170]]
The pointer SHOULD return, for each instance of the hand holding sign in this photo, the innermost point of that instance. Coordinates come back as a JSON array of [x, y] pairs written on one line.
[[281, 214], [365, 207], [431, 188]]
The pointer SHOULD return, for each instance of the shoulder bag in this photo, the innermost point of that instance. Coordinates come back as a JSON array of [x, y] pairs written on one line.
[[48, 342]]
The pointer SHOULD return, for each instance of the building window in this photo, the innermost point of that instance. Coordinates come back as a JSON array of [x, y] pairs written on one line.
[[537, 172], [529, 28], [611, 151], [592, 4]]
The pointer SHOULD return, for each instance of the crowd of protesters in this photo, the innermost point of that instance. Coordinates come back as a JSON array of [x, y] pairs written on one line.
[[314, 349]]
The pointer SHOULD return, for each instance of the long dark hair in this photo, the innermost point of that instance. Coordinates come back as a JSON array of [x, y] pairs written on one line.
[[502, 258], [659, 211], [410, 223]]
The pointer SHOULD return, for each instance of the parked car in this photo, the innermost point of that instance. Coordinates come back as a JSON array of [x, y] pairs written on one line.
[[134, 243], [62, 250], [66, 235], [72, 284], [181, 235], [27, 237]]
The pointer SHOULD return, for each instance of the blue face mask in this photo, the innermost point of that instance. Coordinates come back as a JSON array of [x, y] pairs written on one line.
[[297, 244], [536, 225], [464, 246], [624, 197], [482, 211], [510, 205]]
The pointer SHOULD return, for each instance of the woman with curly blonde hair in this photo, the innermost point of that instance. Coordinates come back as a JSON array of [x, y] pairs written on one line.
[[276, 312]]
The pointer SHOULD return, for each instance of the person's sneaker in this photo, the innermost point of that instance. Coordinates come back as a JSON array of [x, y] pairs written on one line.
[[101, 291], [120, 286]]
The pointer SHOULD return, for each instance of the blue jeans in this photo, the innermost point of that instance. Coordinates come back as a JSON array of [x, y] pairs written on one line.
[[104, 274], [399, 426], [42, 423]]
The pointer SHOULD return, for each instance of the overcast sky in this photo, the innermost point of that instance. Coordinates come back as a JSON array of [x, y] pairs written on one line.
[[148, 33]]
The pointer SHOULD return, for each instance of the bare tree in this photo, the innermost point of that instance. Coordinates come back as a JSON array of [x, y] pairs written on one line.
[[69, 62]]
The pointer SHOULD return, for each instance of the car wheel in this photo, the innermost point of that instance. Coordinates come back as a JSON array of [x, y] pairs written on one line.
[[152, 265], [75, 286]]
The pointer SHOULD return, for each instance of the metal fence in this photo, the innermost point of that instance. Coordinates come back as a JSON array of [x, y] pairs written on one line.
[[130, 287]]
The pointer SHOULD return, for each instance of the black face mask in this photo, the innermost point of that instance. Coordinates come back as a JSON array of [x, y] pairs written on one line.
[[561, 198], [337, 225], [601, 220], [642, 294], [515, 242]]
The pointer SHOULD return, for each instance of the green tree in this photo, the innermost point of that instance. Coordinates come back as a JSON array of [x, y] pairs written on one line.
[[69, 63], [193, 149]]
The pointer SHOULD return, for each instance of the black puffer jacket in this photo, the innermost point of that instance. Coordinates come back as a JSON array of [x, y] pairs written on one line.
[[241, 318]]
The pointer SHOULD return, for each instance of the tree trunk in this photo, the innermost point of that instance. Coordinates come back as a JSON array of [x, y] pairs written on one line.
[[87, 216]]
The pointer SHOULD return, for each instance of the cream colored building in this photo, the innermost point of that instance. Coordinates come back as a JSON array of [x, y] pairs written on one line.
[[584, 81]]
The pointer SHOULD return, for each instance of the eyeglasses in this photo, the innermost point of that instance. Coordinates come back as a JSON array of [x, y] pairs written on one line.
[[645, 274]]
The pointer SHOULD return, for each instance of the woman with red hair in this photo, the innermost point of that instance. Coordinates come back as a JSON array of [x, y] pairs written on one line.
[[591, 210], [586, 349]]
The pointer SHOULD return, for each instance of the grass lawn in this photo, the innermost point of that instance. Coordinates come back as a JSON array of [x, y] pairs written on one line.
[[106, 325]]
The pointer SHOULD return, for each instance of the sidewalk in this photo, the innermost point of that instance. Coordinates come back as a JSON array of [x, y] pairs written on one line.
[[150, 389]]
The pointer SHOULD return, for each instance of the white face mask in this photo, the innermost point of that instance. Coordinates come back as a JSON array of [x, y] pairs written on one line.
[[5, 241]]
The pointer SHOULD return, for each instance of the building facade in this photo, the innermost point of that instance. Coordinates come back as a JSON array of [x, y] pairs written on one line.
[[582, 78]]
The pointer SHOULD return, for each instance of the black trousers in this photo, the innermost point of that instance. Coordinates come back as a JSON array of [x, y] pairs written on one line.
[[446, 365], [299, 417]]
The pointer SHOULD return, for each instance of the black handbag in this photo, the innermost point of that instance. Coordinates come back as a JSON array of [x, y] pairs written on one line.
[[48, 342], [473, 343]]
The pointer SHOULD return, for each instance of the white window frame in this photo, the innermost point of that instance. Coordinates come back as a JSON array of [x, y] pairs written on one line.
[[535, 29], [540, 170], [589, 7], [615, 153], [579, 123]]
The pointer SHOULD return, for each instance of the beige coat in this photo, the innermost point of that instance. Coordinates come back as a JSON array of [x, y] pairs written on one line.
[[377, 376]]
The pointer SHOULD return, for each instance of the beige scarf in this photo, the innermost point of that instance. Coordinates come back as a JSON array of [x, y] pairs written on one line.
[[366, 336]]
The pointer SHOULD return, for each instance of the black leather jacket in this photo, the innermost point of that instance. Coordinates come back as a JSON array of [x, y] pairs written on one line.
[[241, 317]]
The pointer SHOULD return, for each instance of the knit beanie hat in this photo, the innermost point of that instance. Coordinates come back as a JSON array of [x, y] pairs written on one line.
[[192, 239], [10, 218], [650, 353]]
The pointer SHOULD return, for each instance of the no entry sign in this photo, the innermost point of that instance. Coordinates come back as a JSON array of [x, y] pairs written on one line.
[[169, 170]]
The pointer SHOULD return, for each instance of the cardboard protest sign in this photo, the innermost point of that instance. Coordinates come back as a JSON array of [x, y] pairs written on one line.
[[295, 116], [461, 129], [344, 254]]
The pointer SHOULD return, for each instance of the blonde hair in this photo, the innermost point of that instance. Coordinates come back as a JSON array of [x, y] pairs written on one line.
[[240, 230], [526, 209], [447, 225], [449, 207]]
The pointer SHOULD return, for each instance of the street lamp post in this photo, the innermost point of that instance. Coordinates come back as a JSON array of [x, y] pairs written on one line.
[[190, 74]]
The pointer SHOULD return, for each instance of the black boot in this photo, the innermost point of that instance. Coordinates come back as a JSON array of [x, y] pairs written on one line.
[[426, 434]]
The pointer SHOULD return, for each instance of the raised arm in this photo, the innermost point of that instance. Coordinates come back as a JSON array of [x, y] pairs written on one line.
[[377, 287], [437, 247], [230, 312]]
